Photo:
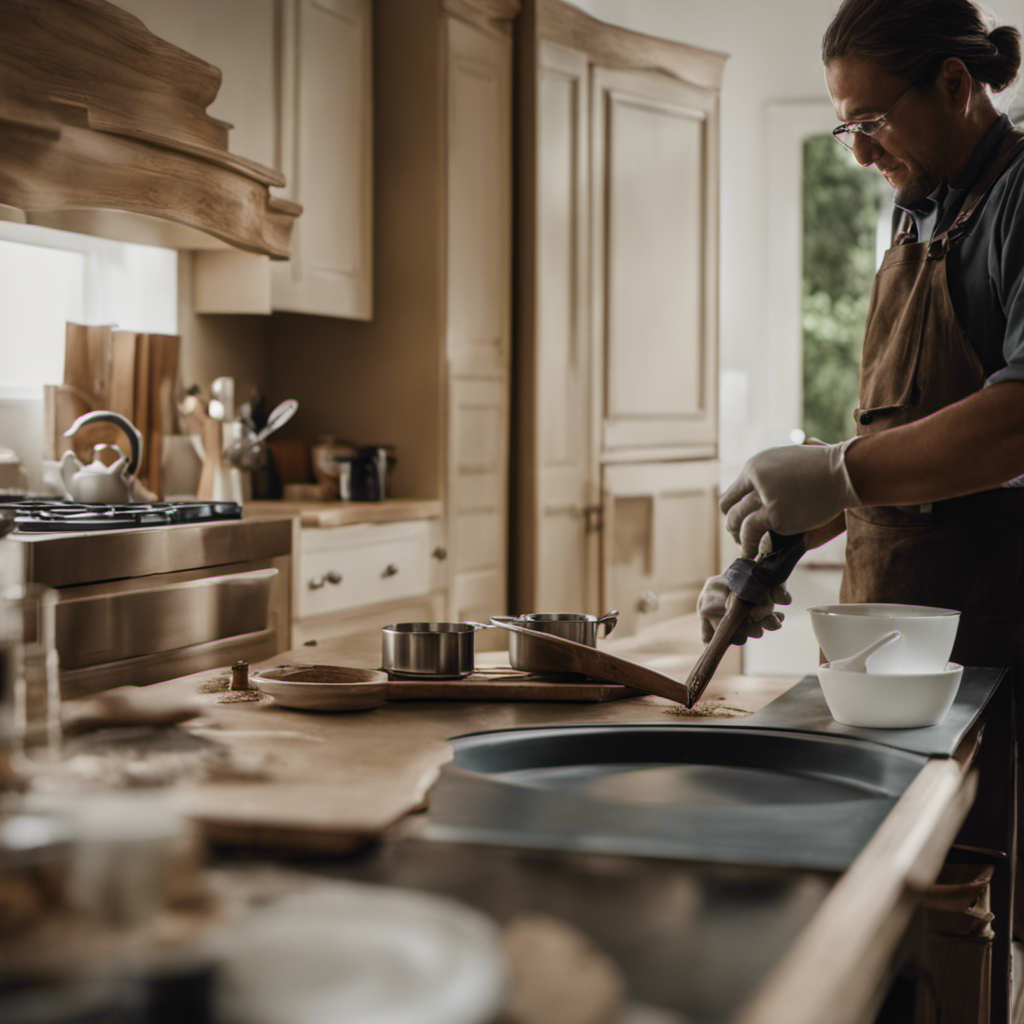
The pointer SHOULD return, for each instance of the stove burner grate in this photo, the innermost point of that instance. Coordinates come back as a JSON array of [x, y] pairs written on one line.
[[51, 515]]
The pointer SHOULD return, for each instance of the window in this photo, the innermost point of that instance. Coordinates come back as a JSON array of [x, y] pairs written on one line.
[[48, 277], [841, 210]]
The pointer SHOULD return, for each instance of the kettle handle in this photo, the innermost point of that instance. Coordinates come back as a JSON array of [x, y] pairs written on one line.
[[129, 428]]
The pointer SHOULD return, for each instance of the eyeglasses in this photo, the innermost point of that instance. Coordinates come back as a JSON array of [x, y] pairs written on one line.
[[847, 133]]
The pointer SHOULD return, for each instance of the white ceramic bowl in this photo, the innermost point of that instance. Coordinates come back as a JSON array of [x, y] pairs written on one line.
[[843, 630], [876, 700]]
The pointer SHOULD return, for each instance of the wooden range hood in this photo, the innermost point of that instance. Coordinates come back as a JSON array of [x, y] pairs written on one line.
[[103, 129]]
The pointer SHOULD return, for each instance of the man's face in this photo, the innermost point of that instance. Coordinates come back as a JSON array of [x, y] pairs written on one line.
[[907, 149]]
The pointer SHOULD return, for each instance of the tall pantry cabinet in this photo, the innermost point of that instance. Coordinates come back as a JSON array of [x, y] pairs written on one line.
[[615, 476]]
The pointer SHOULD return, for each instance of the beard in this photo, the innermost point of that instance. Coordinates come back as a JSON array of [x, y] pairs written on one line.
[[916, 187]]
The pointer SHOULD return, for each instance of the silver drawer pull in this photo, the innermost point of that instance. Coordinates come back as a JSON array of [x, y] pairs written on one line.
[[649, 601], [316, 583], [333, 577], [440, 553], [391, 570]]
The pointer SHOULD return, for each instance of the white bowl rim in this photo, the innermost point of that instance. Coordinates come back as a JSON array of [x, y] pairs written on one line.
[[951, 669], [869, 609]]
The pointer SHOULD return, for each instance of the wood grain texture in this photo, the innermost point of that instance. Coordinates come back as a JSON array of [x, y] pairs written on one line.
[[317, 515], [832, 972], [613, 46], [133, 130], [736, 612]]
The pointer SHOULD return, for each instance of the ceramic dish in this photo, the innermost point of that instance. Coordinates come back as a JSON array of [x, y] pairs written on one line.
[[878, 700], [354, 954], [322, 687], [842, 630]]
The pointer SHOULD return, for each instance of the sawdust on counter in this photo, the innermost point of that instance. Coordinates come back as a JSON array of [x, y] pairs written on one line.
[[221, 688], [714, 708]]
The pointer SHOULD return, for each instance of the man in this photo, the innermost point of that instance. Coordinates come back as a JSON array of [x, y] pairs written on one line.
[[925, 490]]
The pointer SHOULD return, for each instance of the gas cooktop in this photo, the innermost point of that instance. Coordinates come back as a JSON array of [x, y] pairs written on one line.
[[52, 515]]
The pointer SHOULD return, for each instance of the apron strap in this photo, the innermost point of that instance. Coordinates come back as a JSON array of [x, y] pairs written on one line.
[[1010, 147]]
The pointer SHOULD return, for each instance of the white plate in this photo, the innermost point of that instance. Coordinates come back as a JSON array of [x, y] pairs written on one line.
[[362, 954]]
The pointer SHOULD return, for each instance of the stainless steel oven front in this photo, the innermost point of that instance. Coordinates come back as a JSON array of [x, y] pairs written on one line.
[[139, 606]]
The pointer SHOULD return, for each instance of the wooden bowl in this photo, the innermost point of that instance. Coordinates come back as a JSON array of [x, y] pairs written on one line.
[[322, 687]]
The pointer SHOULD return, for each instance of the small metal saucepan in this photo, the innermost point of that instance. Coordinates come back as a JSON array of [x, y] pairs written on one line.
[[527, 656], [429, 650]]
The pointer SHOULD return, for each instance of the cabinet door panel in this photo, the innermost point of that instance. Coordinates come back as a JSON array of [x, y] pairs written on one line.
[[479, 200], [326, 155], [561, 554], [478, 495], [655, 258], [659, 538]]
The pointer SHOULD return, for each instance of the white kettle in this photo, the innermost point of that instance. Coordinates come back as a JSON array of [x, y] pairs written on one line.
[[95, 483]]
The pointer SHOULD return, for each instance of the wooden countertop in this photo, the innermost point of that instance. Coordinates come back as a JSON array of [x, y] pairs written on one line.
[[347, 513], [337, 779]]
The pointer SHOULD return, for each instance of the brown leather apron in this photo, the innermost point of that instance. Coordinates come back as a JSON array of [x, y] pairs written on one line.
[[965, 553]]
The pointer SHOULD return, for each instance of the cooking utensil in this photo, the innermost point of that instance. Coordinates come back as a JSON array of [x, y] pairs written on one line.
[[222, 400], [579, 659], [246, 452], [526, 656], [928, 634], [883, 700], [429, 650], [199, 423], [859, 662], [749, 581]]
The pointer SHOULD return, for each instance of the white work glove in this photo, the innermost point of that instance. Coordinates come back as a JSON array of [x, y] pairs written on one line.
[[711, 608], [791, 489]]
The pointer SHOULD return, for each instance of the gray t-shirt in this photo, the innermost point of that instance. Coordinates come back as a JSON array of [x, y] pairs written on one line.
[[985, 269]]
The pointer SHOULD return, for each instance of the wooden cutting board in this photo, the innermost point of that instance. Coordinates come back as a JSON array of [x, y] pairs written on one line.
[[506, 684]]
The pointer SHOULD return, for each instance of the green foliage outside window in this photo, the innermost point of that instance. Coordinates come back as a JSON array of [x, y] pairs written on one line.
[[840, 212]]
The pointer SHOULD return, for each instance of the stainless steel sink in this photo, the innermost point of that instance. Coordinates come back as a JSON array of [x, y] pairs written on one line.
[[734, 795]]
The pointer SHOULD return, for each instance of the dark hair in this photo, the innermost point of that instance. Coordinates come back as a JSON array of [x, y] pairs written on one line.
[[912, 39]]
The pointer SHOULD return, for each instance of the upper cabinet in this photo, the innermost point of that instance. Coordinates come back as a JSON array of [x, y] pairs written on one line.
[[654, 190], [297, 92], [325, 146]]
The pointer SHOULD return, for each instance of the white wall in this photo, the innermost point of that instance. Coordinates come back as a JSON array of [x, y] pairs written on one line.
[[774, 57]]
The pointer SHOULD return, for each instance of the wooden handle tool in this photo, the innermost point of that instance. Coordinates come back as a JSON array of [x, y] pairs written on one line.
[[749, 581], [736, 612]]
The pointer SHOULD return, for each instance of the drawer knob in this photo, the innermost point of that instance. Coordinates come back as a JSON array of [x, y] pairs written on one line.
[[649, 601], [333, 577], [440, 553], [390, 570], [316, 583]]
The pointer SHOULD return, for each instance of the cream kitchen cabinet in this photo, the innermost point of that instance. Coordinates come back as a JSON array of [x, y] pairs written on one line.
[[348, 576], [659, 521], [297, 89], [325, 150], [616, 350], [431, 373]]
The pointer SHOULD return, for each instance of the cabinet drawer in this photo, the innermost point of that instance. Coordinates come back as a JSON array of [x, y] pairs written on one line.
[[361, 570]]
